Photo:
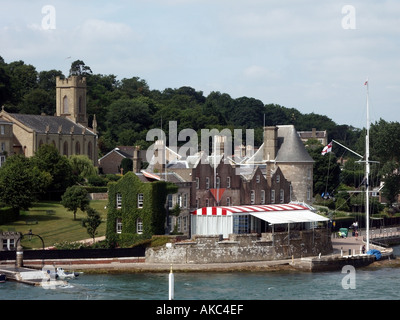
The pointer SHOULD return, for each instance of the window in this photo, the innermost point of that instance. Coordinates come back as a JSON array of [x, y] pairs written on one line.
[[228, 201], [258, 178], [308, 193], [179, 224], [169, 200], [241, 224], [252, 197], [185, 202], [3, 146], [262, 196], [119, 201], [77, 148], [197, 203], [197, 183], [281, 196], [80, 109], [2, 131], [140, 200], [119, 225], [179, 200], [207, 202], [272, 196], [228, 182], [185, 224], [139, 226], [89, 150], [278, 178], [207, 183], [65, 148], [65, 105], [2, 160], [8, 244]]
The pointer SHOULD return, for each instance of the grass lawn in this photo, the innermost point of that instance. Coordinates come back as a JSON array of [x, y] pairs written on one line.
[[55, 224]]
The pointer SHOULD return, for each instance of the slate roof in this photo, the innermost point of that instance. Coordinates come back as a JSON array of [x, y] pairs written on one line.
[[290, 147], [39, 124]]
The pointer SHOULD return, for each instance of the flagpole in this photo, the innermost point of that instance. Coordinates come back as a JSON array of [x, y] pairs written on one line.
[[367, 171]]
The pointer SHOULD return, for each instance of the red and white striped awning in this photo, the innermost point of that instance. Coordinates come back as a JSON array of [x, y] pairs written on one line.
[[274, 214]]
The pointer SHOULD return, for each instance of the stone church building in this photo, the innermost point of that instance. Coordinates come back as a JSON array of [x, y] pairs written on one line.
[[67, 130]]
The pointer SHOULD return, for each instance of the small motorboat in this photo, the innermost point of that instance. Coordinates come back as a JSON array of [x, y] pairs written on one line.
[[62, 274], [3, 278]]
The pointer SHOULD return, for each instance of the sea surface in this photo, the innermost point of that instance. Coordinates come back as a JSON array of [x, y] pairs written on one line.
[[376, 284]]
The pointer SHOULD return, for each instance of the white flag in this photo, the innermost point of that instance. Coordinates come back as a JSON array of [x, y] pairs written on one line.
[[327, 148]]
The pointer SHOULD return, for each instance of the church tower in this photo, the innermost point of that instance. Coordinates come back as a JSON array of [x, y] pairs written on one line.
[[71, 99]]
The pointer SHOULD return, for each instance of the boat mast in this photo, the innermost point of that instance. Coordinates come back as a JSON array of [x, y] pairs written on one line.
[[367, 171]]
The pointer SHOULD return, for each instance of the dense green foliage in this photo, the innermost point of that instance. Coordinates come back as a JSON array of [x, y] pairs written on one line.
[[126, 109], [152, 214], [21, 182]]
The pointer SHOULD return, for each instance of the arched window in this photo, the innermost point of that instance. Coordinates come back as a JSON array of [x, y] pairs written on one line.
[[89, 150], [77, 148], [65, 105], [80, 108], [65, 149]]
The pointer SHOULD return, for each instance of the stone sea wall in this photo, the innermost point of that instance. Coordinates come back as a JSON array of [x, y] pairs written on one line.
[[243, 248]]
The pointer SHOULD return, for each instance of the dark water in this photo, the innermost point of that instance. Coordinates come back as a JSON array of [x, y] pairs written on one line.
[[381, 284]]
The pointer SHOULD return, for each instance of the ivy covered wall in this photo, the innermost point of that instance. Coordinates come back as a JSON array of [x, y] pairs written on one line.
[[152, 213]]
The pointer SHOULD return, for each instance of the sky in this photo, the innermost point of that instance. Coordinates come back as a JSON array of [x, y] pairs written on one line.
[[314, 56]]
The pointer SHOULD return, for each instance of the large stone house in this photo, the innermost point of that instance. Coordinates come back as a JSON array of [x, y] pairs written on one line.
[[67, 130]]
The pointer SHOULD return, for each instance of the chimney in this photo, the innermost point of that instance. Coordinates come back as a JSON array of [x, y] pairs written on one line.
[[220, 144], [136, 159], [159, 154], [270, 143]]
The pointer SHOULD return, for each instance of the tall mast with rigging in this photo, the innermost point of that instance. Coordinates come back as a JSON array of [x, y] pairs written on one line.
[[367, 171]]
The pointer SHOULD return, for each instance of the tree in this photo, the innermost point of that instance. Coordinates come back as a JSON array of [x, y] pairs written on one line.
[[78, 68], [82, 166], [75, 198], [92, 221], [21, 182], [126, 165], [48, 159]]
